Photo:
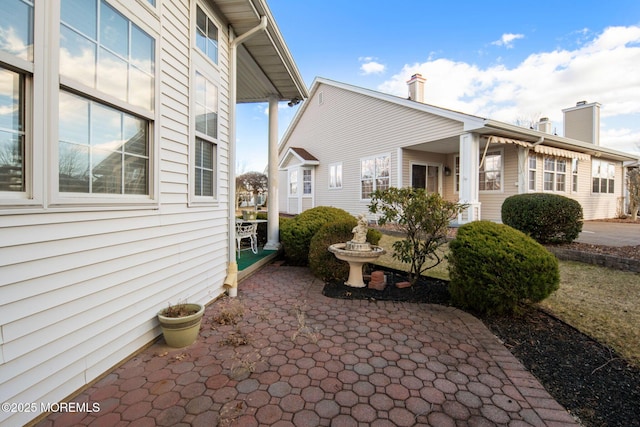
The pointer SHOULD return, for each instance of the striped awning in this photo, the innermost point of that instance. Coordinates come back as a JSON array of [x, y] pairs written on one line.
[[559, 152], [502, 140]]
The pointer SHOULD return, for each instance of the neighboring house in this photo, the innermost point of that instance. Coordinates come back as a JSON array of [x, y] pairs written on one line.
[[117, 130], [347, 141]]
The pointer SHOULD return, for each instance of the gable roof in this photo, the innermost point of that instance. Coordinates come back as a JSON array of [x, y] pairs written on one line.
[[483, 126], [303, 156]]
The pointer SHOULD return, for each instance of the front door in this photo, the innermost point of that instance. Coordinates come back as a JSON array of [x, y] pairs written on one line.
[[426, 176]]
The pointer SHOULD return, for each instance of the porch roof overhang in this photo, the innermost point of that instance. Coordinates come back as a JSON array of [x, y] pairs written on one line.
[[265, 67]]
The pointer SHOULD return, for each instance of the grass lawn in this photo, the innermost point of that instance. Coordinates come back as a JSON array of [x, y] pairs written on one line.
[[601, 302]]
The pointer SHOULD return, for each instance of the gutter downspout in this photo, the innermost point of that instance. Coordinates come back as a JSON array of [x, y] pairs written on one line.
[[231, 281]]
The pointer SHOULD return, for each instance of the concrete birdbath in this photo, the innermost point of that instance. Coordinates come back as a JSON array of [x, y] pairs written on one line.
[[357, 252]]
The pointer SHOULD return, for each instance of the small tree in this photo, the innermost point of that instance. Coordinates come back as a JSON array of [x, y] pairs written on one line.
[[633, 177], [424, 219], [252, 182]]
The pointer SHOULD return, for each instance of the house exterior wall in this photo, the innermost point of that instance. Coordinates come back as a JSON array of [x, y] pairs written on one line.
[[344, 127], [80, 285]]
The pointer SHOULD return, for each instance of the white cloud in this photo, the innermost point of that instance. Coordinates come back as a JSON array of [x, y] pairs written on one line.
[[507, 40], [603, 69], [371, 66]]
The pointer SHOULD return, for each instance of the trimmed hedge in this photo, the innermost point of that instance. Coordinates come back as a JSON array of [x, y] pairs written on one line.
[[296, 233], [496, 269], [548, 218]]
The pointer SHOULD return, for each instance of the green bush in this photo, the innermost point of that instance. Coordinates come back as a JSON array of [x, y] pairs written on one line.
[[548, 218], [324, 264], [495, 269], [296, 233]]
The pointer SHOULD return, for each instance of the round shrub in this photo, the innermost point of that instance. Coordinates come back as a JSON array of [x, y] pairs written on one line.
[[324, 264], [495, 269], [548, 218], [296, 233]]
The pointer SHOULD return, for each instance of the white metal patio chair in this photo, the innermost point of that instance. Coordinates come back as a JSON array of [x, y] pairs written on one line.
[[247, 231]]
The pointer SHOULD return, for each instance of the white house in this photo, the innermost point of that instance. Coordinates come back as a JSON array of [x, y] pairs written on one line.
[[117, 130], [347, 141]]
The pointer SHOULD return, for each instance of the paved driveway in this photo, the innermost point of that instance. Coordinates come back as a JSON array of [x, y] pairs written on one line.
[[610, 234]]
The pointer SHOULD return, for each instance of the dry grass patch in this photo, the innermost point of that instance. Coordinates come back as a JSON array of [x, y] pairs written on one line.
[[602, 303], [439, 272]]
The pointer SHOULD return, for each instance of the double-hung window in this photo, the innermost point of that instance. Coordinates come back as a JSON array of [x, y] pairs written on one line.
[[603, 174], [106, 101], [306, 182], [533, 167], [206, 148], [375, 173], [490, 172], [574, 175], [555, 174], [293, 182], [16, 44]]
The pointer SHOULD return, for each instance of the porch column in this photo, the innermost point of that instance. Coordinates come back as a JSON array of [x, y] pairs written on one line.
[[273, 224], [469, 159]]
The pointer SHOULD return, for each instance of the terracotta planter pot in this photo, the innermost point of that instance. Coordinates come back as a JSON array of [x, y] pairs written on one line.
[[181, 331]]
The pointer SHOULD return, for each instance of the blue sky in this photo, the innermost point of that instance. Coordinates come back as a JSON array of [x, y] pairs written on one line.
[[508, 61]]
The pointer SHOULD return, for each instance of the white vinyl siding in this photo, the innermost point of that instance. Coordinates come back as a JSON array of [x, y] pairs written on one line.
[[80, 287]]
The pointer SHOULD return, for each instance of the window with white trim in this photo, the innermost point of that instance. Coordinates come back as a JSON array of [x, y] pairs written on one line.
[[102, 49], [574, 175], [16, 39], [555, 174], [533, 170], [306, 182], [335, 176], [456, 173], [490, 172], [102, 148], [293, 182], [603, 174], [12, 134], [206, 147], [206, 35], [375, 173]]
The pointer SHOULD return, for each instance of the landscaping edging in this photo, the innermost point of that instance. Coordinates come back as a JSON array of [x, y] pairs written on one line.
[[603, 260]]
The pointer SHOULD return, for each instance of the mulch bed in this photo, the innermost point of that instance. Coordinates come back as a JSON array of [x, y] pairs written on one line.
[[590, 380]]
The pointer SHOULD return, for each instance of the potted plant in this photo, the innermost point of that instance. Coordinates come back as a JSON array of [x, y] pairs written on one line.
[[181, 323], [248, 215]]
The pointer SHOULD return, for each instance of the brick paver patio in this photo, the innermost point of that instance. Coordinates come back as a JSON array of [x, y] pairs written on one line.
[[315, 361]]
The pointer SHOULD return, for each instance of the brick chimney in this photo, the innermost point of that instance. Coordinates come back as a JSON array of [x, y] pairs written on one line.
[[416, 87], [582, 122]]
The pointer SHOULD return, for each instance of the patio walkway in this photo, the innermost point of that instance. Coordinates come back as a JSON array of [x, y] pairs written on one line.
[[316, 361]]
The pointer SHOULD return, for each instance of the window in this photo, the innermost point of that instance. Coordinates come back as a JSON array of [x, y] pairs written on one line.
[[603, 175], [306, 181], [101, 149], [490, 172], [204, 168], [206, 112], [335, 176], [293, 182], [103, 50], [16, 28], [206, 35], [16, 39], [374, 175], [555, 173], [574, 175], [533, 166], [12, 135]]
